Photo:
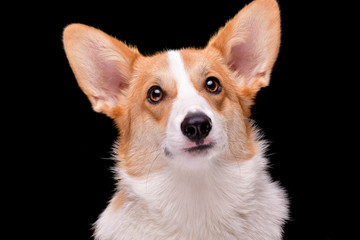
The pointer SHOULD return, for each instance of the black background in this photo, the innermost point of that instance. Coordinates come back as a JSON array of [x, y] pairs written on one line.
[[301, 113]]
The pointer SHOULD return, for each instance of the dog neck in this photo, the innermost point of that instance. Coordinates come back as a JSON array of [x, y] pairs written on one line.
[[195, 196], [222, 199]]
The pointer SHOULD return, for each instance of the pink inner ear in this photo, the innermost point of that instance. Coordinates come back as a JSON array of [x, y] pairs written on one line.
[[242, 60], [113, 82], [110, 81], [245, 57]]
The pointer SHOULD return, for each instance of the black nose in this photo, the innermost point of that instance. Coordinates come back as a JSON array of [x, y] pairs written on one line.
[[196, 126]]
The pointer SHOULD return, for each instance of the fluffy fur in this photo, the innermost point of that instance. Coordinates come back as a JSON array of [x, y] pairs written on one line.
[[166, 191]]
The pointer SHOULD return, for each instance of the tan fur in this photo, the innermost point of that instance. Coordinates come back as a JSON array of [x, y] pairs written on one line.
[[141, 114], [118, 200]]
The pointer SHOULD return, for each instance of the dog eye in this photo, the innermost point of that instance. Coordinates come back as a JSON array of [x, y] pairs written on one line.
[[155, 94], [212, 85]]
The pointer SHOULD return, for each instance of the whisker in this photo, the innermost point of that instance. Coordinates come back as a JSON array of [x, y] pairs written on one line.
[[114, 158], [236, 159], [109, 158], [236, 141], [152, 163], [146, 153], [225, 120]]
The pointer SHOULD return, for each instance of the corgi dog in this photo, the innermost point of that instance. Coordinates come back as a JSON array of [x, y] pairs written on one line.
[[189, 162]]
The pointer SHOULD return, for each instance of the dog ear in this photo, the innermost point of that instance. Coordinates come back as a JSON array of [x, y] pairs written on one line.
[[102, 65], [250, 43]]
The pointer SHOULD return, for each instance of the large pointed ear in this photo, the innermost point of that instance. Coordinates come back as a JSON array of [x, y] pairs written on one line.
[[250, 43], [102, 65]]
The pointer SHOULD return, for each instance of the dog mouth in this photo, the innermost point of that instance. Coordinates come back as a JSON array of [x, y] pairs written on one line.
[[199, 148]]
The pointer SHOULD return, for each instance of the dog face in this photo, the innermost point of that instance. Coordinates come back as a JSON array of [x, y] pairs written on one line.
[[180, 108]]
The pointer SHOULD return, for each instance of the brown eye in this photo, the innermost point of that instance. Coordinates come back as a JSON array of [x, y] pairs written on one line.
[[212, 84], [155, 94]]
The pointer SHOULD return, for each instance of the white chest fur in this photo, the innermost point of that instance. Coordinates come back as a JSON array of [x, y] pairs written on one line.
[[225, 201]]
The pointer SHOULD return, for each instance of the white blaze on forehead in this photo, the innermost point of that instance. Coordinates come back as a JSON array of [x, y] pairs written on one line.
[[176, 66], [188, 99]]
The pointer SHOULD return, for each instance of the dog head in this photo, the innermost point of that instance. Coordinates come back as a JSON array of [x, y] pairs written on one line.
[[183, 107]]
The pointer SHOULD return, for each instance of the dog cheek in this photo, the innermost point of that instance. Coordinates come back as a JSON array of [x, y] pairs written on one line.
[[140, 155], [153, 132], [241, 135]]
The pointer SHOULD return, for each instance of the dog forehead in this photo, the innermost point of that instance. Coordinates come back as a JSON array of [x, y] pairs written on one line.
[[187, 67], [180, 75], [188, 98], [191, 66], [152, 66], [178, 72]]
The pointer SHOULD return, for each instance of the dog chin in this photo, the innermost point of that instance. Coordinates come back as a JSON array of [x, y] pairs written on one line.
[[193, 152], [199, 148]]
